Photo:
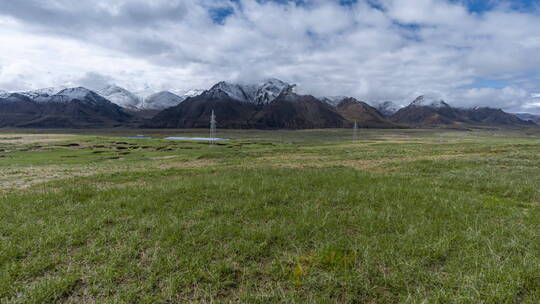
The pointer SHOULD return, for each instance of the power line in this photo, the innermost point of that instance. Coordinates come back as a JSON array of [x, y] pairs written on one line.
[[355, 131], [212, 128]]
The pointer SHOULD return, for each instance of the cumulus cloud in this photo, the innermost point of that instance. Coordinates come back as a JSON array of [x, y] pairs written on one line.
[[95, 81], [507, 97], [373, 50]]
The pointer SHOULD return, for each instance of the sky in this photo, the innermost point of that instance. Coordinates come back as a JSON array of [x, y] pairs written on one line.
[[468, 52]]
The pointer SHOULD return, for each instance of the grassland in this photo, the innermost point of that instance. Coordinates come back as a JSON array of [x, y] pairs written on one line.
[[400, 216]]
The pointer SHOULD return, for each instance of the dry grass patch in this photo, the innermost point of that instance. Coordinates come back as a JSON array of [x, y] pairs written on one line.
[[22, 178], [372, 165], [290, 157], [165, 157], [375, 165], [188, 164], [34, 138]]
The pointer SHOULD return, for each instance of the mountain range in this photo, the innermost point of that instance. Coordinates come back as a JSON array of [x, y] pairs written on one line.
[[69, 108], [429, 111], [529, 117], [268, 104]]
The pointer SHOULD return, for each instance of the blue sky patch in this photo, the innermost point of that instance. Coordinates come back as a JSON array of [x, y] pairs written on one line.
[[488, 83], [482, 6], [220, 14]]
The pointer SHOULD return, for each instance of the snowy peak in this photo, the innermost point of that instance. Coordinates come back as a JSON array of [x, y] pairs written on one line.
[[429, 101], [161, 100], [187, 93], [120, 97], [387, 108], [333, 100], [260, 93], [156, 101], [78, 94], [234, 91], [191, 93], [61, 94], [270, 89], [263, 92], [74, 93], [42, 95], [48, 91]]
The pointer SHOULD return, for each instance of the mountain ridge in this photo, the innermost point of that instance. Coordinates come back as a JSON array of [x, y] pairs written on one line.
[[424, 112], [267, 104], [69, 108]]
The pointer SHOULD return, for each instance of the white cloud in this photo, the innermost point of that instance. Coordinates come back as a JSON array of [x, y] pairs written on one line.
[[511, 98], [531, 105], [409, 48], [425, 12]]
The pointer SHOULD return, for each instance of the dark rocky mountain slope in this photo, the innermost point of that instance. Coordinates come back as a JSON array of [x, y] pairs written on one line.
[[195, 112], [268, 105], [365, 115], [293, 111], [425, 111], [69, 108]]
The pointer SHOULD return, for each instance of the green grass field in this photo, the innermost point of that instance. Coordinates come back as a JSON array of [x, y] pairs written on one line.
[[400, 216]]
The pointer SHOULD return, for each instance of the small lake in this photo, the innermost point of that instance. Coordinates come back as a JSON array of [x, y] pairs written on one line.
[[138, 136]]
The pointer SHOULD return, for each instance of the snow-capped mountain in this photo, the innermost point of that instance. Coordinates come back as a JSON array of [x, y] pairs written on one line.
[[145, 100], [269, 90], [121, 97], [363, 114], [288, 110], [190, 93], [333, 100], [260, 93], [387, 108], [161, 100], [267, 104], [80, 94], [429, 101], [144, 91], [47, 91], [42, 95], [429, 111], [69, 108], [529, 117], [233, 90]]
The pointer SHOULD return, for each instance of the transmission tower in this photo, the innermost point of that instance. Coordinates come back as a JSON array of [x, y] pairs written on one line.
[[212, 128], [355, 131]]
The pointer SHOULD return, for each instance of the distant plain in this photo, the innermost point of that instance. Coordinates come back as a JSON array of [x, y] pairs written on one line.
[[408, 216]]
